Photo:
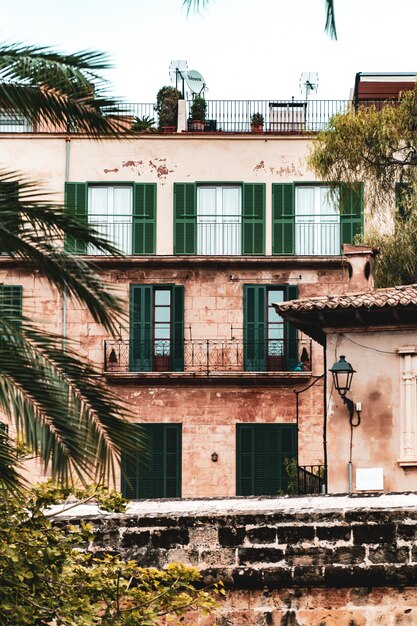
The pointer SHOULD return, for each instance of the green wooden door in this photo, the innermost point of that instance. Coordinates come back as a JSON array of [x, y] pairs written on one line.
[[157, 473], [141, 324], [254, 328], [261, 450]]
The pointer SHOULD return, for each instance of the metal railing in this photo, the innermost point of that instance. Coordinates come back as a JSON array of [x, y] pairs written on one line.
[[317, 235], [311, 479], [118, 233], [207, 356], [219, 237], [230, 116]]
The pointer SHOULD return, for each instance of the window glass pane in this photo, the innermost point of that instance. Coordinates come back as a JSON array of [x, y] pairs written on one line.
[[304, 201], [275, 295], [206, 204], [162, 296], [276, 331], [98, 204], [162, 314], [329, 202], [162, 331], [162, 347], [122, 204], [231, 204]]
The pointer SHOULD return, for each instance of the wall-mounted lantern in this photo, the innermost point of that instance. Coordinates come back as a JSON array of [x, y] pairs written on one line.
[[214, 457], [342, 373]]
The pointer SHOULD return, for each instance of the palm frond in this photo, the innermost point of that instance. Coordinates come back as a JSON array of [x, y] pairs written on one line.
[[195, 5], [330, 27], [10, 480], [68, 417], [58, 89], [33, 231]]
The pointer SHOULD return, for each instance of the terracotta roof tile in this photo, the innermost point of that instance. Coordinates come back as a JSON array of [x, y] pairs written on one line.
[[403, 295]]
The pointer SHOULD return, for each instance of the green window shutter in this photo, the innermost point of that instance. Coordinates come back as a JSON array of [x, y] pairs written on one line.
[[291, 352], [159, 474], [76, 206], [178, 328], [283, 218], [402, 193], [253, 218], [144, 218], [141, 299], [351, 212], [261, 451], [10, 218], [254, 328], [185, 218], [11, 302]]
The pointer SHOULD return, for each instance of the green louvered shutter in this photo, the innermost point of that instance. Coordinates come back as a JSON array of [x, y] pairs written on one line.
[[351, 212], [134, 464], [283, 218], [253, 218], [144, 218], [11, 302], [254, 328], [159, 474], [76, 206], [185, 218], [141, 328], [291, 333], [261, 450], [178, 328], [10, 218], [402, 194]]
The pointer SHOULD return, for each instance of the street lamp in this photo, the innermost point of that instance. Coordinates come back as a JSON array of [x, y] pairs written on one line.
[[342, 373]]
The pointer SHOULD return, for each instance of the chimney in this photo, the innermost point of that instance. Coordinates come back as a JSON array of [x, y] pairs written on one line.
[[360, 261]]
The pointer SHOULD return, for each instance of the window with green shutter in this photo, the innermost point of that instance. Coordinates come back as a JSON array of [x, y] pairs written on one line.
[[11, 302], [10, 218], [216, 219], [156, 328], [270, 344], [313, 219], [261, 450], [156, 472], [124, 214]]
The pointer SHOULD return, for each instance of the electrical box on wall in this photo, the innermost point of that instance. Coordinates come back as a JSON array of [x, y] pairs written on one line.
[[369, 479]]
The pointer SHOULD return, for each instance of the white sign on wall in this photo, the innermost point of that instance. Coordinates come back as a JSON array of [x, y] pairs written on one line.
[[369, 479]]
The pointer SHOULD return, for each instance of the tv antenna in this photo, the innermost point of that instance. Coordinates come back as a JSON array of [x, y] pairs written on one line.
[[177, 73], [309, 81]]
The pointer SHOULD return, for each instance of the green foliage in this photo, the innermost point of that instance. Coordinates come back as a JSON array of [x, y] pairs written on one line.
[[377, 145], [167, 106], [49, 579], [198, 109], [291, 469], [143, 124], [257, 119]]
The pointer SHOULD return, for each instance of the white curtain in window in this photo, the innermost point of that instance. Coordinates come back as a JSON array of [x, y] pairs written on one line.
[[219, 219], [110, 212], [317, 221]]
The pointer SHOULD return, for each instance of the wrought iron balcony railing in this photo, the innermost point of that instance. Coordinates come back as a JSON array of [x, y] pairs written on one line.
[[207, 356], [311, 479], [230, 116]]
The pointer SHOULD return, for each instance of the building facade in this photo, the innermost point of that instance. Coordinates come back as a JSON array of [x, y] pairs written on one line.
[[214, 228]]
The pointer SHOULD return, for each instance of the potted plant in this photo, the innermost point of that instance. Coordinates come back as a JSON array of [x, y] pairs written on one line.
[[143, 124], [257, 123], [198, 113], [167, 108]]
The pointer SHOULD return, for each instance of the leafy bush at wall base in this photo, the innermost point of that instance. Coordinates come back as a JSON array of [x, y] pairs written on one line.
[[49, 579]]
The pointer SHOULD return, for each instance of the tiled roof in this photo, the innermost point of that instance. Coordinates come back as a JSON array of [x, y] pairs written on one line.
[[391, 297]]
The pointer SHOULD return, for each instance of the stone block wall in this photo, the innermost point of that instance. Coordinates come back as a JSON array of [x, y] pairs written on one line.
[[284, 562]]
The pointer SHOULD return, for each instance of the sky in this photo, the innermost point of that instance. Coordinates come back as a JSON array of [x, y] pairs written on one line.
[[245, 49]]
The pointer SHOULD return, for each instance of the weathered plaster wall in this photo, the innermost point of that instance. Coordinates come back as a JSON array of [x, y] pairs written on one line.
[[285, 562], [162, 160], [377, 384]]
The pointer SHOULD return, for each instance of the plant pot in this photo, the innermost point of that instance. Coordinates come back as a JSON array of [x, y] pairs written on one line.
[[169, 129], [257, 128], [197, 125]]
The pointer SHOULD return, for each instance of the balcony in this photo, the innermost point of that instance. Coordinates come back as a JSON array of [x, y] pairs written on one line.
[[208, 357], [311, 479], [225, 116]]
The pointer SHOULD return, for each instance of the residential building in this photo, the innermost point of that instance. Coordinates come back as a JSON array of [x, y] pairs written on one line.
[[215, 227]]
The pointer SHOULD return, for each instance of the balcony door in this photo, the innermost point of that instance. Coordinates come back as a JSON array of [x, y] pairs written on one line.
[[219, 220], [317, 220], [110, 213]]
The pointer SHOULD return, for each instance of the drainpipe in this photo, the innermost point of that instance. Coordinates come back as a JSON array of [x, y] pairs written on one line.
[[326, 478], [64, 290]]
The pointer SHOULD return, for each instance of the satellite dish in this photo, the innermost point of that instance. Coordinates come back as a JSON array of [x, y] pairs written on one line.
[[309, 81], [195, 81]]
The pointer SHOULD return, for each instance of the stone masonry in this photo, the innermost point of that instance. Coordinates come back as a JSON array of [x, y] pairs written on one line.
[[316, 561]]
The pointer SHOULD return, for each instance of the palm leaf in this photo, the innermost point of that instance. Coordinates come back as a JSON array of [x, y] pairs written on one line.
[[330, 27], [57, 90]]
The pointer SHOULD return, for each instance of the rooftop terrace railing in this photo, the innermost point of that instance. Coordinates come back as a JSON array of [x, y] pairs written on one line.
[[227, 116]]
